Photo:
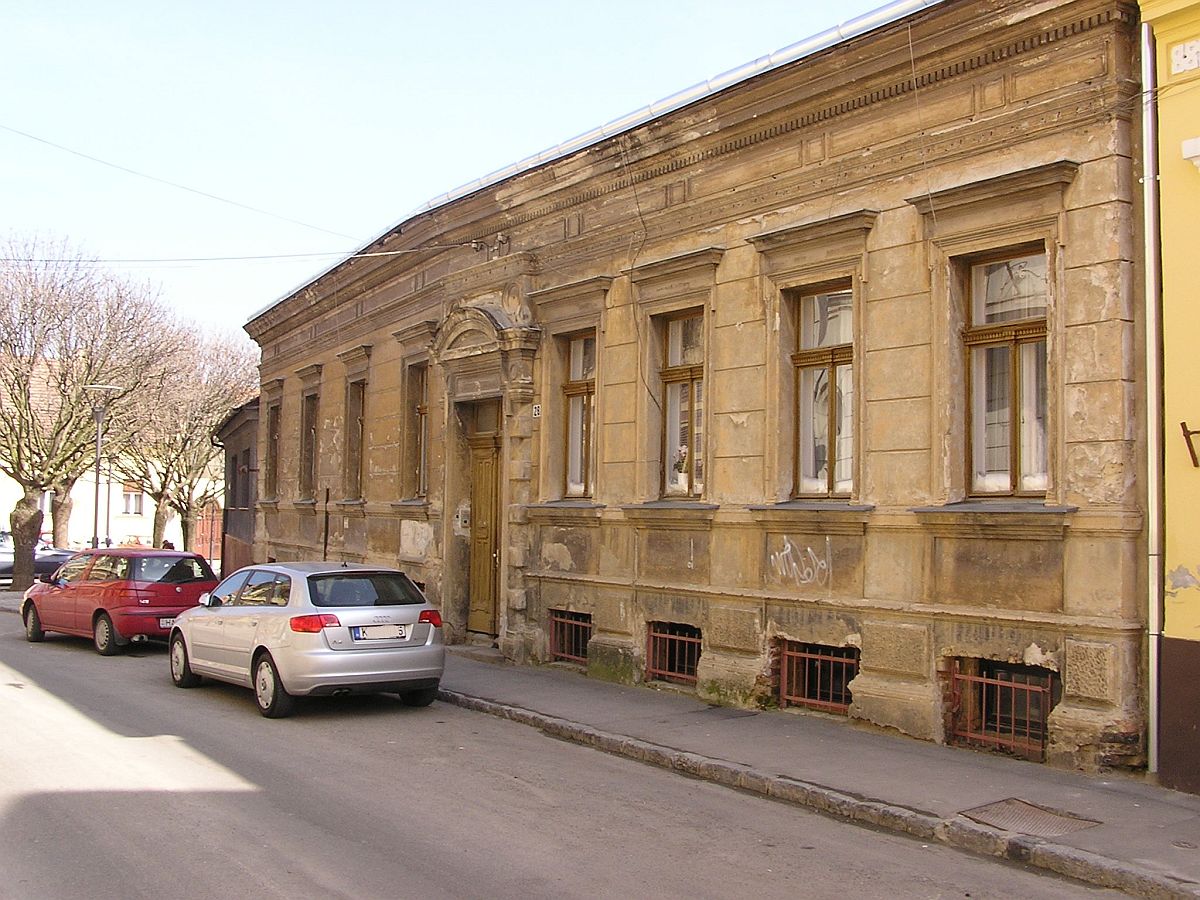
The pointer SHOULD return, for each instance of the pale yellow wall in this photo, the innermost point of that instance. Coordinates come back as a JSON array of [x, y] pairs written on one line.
[[1174, 22]]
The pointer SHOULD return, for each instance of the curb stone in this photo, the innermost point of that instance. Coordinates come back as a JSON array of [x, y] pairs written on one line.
[[957, 832]]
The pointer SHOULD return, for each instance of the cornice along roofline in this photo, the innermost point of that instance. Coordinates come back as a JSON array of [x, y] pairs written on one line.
[[807, 115]]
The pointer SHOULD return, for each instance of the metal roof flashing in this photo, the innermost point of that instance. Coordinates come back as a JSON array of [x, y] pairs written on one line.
[[853, 28]]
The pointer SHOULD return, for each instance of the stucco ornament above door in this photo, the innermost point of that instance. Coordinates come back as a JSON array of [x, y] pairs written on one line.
[[484, 352]]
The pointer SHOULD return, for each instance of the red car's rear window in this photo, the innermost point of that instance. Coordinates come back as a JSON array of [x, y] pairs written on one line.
[[171, 569]]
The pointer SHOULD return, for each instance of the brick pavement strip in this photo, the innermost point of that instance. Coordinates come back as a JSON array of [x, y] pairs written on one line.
[[962, 834]]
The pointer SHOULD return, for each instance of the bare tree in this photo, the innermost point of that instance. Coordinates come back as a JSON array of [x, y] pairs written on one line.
[[173, 456], [65, 324]]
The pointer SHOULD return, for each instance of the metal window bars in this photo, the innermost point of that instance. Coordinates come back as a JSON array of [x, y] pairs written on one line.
[[672, 652], [569, 635], [1000, 706], [816, 676]]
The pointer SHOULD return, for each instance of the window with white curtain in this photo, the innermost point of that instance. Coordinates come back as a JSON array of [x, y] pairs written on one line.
[[824, 391], [579, 392], [1006, 344]]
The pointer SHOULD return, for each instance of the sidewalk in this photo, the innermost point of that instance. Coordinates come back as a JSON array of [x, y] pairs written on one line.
[[1146, 840]]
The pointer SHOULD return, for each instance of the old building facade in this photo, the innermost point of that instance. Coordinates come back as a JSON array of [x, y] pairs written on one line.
[[819, 390]]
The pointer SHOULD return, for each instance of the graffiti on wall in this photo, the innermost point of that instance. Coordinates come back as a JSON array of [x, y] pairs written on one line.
[[803, 566]]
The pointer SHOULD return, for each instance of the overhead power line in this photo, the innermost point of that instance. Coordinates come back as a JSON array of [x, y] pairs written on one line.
[[174, 184]]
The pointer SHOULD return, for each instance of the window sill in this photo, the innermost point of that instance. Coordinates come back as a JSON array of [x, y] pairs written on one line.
[[268, 504], [997, 518], [309, 504], [686, 514], [565, 512], [351, 507], [821, 516]]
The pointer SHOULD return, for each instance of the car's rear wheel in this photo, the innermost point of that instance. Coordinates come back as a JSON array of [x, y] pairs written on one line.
[[181, 669], [104, 636], [419, 697], [273, 700], [33, 624]]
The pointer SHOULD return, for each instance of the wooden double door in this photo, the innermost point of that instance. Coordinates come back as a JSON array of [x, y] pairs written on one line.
[[483, 438]]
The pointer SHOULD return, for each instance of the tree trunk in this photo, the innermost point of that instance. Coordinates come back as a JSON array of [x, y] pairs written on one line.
[[26, 522], [61, 505], [188, 524], [162, 515]]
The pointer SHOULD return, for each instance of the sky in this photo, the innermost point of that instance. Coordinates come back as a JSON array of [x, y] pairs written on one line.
[[163, 137]]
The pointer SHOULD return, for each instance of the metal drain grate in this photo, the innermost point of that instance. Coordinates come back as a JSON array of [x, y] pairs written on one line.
[[1017, 815]]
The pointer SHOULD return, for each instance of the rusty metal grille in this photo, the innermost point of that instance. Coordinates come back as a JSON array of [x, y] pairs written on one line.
[[816, 676], [569, 635], [1001, 706], [672, 652]]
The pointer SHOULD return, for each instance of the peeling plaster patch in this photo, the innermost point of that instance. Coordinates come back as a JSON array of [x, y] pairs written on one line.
[[415, 538], [1179, 579], [739, 419], [1036, 656], [557, 556], [854, 640]]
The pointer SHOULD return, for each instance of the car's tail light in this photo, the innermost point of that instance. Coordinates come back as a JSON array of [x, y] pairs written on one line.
[[314, 624], [431, 617]]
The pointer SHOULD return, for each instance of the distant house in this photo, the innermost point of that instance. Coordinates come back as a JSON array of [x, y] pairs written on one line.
[[126, 513], [817, 386], [238, 435]]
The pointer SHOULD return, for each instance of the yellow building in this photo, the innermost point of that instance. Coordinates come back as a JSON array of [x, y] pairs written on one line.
[[1173, 83]]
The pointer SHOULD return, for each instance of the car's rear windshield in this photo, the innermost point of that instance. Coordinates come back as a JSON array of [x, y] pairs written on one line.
[[171, 569], [363, 589]]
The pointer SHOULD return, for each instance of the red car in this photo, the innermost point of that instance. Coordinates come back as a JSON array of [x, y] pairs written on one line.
[[115, 596]]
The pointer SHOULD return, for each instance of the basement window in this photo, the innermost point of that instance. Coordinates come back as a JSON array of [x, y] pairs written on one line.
[[1001, 706], [816, 676], [569, 635], [672, 652]]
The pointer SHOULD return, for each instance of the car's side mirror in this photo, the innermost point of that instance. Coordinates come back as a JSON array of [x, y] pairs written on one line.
[[47, 578], [207, 599]]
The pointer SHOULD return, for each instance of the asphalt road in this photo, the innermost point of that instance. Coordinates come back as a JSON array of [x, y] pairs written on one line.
[[116, 784]]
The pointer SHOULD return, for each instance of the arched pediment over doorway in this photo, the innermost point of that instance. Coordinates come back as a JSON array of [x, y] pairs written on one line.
[[484, 353]]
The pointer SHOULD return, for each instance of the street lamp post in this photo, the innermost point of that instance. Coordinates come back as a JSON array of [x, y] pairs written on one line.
[[99, 408]]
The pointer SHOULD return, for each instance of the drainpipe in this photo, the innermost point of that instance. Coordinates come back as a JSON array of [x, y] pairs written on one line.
[[1154, 412]]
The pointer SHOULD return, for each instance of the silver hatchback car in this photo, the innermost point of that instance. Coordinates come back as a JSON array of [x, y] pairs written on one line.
[[312, 628]]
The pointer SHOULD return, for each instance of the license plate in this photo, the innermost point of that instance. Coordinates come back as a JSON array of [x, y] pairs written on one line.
[[379, 632], [166, 623]]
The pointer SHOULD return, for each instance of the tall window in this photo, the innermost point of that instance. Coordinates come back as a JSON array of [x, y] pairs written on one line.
[[308, 447], [272, 479], [580, 392], [356, 395], [1006, 343], [131, 496], [416, 442], [824, 367], [683, 409]]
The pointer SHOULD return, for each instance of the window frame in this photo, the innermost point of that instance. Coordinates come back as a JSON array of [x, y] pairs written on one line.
[[1013, 335], [274, 413], [356, 439], [414, 450], [831, 359], [132, 499], [689, 374], [584, 388], [310, 411]]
